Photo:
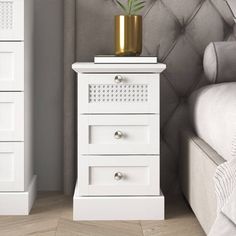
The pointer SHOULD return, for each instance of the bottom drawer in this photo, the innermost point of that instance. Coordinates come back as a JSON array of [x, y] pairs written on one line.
[[11, 166], [116, 175]]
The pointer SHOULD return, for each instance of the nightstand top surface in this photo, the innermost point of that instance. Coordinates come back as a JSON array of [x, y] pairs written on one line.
[[90, 67]]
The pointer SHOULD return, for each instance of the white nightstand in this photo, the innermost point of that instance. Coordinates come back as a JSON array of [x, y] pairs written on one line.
[[118, 142]]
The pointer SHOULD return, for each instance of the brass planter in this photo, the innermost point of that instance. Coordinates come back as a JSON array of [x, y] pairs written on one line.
[[128, 35]]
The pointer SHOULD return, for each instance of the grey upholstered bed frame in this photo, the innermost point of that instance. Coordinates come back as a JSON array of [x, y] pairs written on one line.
[[197, 167]]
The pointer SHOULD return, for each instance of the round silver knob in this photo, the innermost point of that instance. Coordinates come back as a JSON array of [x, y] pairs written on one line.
[[118, 176], [118, 135], [118, 79]]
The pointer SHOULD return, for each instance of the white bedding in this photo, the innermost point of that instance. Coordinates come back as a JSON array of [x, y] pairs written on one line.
[[213, 115], [225, 183]]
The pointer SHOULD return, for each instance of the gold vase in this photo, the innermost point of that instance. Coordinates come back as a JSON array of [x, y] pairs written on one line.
[[128, 35]]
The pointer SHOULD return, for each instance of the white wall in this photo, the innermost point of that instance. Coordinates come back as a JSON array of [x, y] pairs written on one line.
[[48, 142]]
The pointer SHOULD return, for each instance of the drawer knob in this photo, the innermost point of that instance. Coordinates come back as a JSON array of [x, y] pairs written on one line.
[[118, 135], [118, 176], [118, 79]]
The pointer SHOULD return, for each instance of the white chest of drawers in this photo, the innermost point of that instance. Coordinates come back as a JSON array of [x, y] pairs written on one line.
[[17, 182], [118, 142]]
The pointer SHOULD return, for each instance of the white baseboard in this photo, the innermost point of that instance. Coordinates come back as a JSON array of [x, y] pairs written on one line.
[[18, 203], [118, 208]]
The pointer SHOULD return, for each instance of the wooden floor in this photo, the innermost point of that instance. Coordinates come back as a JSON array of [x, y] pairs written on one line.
[[52, 216]]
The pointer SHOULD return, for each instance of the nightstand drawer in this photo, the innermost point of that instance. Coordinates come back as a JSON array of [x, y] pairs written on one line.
[[11, 20], [11, 66], [118, 93], [118, 175], [11, 116], [11, 166], [119, 134]]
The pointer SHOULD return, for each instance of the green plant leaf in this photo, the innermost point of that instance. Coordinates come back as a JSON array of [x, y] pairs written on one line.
[[129, 2], [136, 10], [130, 6], [122, 6], [138, 4], [136, 1]]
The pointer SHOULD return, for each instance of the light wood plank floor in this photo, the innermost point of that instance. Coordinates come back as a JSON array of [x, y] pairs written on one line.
[[52, 216]]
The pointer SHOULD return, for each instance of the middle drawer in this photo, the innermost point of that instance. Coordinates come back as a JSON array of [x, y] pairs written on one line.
[[119, 134], [11, 116], [12, 66]]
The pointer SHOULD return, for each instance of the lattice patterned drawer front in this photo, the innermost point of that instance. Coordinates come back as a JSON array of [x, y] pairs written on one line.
[[11, 19], [6, 15], [118, 93], [123, 93]]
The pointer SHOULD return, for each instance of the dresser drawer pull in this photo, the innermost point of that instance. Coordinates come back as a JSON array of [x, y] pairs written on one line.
[[118, 135], [118, 176], [118, 79]]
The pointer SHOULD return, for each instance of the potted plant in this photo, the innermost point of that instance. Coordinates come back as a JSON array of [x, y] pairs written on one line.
[[128, 28]]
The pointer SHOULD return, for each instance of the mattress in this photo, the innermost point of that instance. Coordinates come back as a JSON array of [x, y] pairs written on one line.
[[212, 112]]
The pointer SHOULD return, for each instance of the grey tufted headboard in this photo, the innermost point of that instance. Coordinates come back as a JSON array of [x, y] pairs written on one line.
[[177, 31]]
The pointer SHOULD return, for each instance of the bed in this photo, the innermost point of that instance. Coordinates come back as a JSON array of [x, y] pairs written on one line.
[[208, 148]]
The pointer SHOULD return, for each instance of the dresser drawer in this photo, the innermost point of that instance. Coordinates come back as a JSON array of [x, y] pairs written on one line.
[[118, 93], [136, 175], [11, 166], [11, 116], [11, 66], [119, 134], [11, 20]]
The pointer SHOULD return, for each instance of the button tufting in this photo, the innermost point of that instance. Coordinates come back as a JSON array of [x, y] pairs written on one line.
[[183, 100], [182, 30]]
